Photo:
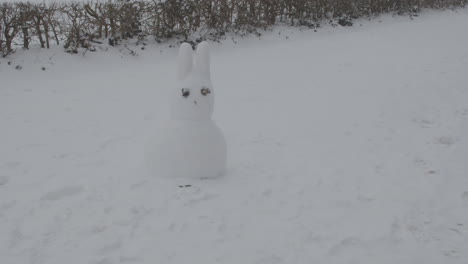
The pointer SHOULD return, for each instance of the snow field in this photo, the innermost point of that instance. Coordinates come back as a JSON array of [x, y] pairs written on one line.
[[344, 146]]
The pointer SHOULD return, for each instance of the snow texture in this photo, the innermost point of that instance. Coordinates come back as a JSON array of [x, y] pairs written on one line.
[[346, 145]]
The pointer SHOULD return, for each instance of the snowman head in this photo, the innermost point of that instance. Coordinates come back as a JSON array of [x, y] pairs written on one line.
[[193, 97]]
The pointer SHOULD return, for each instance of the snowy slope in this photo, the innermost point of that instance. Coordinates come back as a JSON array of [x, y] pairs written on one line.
[[344, 146]]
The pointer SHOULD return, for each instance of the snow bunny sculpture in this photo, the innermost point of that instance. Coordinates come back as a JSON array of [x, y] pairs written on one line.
[[191, 145]]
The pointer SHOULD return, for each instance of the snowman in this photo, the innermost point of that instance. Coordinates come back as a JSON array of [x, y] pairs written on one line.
[[190, 144]]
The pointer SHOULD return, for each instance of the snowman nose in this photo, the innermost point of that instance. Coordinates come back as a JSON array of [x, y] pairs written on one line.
[[195, 102]]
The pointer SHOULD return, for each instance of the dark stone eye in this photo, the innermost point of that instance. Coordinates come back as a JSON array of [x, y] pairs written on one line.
[[185, 92], [205, 91]]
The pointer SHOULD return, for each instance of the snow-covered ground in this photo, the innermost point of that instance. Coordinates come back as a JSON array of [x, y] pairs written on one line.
[[344, 146]]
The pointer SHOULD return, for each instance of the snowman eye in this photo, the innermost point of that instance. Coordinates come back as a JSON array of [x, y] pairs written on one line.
[[205, 91], [185, 92]]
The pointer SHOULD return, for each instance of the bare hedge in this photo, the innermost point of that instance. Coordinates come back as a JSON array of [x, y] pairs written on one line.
[[78, 24]]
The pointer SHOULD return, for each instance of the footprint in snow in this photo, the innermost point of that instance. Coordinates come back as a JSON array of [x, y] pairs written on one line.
[[421, 163], [270, 260], [423, 123], [92, 164], [109, 142], [62, 193], [128, 259], [4, 207], [12, 165], [115, 246], [365, 199], [465, 198], [201, 199], [16, 237], [451, 253], [462, 113], [446, 141], [348, 243], [28, 147], [4, 180]]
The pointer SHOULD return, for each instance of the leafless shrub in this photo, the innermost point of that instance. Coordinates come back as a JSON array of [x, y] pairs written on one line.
[[82, 24], [10, 25]]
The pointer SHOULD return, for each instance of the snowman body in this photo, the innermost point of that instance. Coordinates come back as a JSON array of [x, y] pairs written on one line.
[[190, 144]]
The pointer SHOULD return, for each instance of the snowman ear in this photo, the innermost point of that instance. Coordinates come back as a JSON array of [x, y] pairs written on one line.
[[202, 62], [184, 61]]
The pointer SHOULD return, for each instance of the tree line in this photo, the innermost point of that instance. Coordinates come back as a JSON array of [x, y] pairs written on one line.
[[78, 24]]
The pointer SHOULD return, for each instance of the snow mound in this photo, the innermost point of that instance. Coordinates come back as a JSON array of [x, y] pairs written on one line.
[[187, 149]]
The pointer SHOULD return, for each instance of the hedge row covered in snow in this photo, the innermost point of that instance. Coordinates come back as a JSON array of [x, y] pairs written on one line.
[[78, 24]]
